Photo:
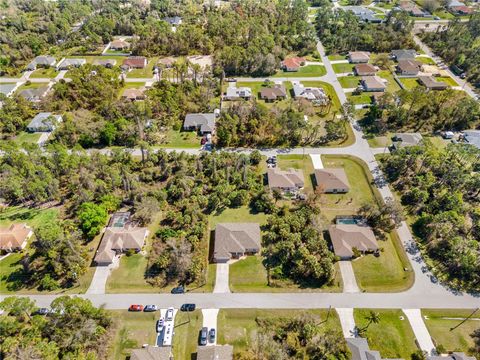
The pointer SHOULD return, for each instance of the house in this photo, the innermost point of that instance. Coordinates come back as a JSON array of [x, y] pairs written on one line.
[[365, 70], [358, 57], [152, 353], [215, 352], [134, 94], [347, 237], [360, 350], [373, 83], [41, 61], [364, 14], [203, 61], [316, 95], [412, 9], [403, 54], [234, 93], [290, 180], [461, 10], [34, 94], [44, 122], [401, 140], [408, 67], [66, 64], [332, 180], [453, 3], [173, 20], [430, 83], [292, 64], [234, 240], [7, 89], [204, 123], [453, 356], [14, 237], [134, 62], [472, 137], [119, 45], [108, 63], [273, 93], [167, 62]]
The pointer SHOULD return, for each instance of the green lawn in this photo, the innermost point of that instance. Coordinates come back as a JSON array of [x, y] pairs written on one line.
[[28, 138], [32, 217], [447, 79], [133, 329], [238, 327], [392, 85], [31, 86], [146, 72], [187, 327], [304, 71], [241, 214], [410, 83], [440, 323], [392, 336], [349, 81], [343, 68], [336, 57], [380, 141], [44, 73], [180, 139], [425, 60], [363, 98], [130, 276], [329, 90], [91, 59]]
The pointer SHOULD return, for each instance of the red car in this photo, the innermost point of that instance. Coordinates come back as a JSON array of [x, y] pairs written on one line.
[[135, 308]]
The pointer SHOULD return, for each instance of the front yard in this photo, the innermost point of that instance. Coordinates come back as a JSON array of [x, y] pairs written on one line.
[[303, 162], [44, 73], [343, 68], [349, 82], [304, 71], [179, 139]]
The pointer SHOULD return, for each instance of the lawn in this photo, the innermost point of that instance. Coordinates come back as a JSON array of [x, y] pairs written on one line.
[[304, 71], [31, 85], [349, 81], [130, 276], [32, 217], [380, 141], [440, 323], [44, 73], [132, 331], [146, 72], [240, 214], [410, 83], [392, 336], [187, 328], [447, 79], [303, 162], [392, 85], [238, 327], [336, 57], [91, 59], [180, 139], [425, 60], [28, 138], [329, 90], [343, 68], [363, 98]]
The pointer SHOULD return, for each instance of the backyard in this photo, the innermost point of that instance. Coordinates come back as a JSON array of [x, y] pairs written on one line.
[[302, 162], [304, 71], [409, 83], [392, 85], [26, 138]]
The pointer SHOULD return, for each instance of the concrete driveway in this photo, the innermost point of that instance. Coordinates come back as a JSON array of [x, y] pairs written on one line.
[[99, 280], [348, 277], [210, 321], [347, 322], [316, 161], [424, 339], [221, 280]]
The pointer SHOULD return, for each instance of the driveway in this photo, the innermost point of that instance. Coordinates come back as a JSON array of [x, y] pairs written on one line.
[[424, 339], [99, 280], [317, 161], [348, 277], [221, 280], [210, 321], [347, 322]]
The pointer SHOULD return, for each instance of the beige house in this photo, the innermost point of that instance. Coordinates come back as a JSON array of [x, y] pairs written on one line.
[[333, 180], [216, 352], [290, 180], [14, 237], [152, 353], [234, 240], [346, 237], [358, 57], [134, 94]]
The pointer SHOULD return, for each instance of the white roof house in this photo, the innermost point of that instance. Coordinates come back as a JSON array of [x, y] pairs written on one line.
[[234, 93], [44, 122], [65, 64]]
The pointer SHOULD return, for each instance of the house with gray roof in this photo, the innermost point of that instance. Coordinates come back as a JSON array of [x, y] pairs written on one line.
[[173, 20], [234, 93], [360, 350], [34, 94], [401, 140], [204, 123], [363, 13], [215, 352], [358, 57], [453, 356], [44, 122], [66, 64], [108, 63], [347, 237], [316, 95], [373, 83], [290, 180], [152, 353], [472, 137], [332, 180], [7, 89], [41, 61], [431, 83], [403, 54], [234, 240]]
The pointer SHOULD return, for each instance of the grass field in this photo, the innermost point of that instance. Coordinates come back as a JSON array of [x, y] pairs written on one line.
[[364, 98], [133, 330], [380, 141], [447, 79], [336, 57], [304, 71], [440, 323], [180, 139], [343, 68], [240, 214], [27, 138], [425, 60], [187, 328], [32, 217], [392, 85], [238, 327], [146, 72], [349, 81], [410, 83], [392, 336], [44, 73], [31, 86]]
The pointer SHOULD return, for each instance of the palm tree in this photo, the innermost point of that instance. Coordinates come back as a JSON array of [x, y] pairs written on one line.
[[277, 195], [372, 318]]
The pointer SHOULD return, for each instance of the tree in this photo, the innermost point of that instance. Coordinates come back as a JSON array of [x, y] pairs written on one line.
[[372, 318], [277, 195], [92, 218], [255, 157]]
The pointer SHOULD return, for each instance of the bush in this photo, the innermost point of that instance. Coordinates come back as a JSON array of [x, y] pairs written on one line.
[[48, 284], [255, 157]]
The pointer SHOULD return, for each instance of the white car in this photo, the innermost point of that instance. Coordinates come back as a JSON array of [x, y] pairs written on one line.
[[169, 315]]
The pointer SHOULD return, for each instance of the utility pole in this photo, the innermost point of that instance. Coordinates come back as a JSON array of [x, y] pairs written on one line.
[[464, 320]]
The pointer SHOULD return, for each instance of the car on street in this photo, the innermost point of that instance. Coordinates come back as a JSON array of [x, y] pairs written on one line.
[[211, 336], [42, 311], [169, 315], [135, 308], [203, 336], [150, 308], [178, 290], [187, 307], [160, 324]]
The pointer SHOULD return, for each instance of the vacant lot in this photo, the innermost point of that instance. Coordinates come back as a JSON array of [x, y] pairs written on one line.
[[187, 328], [363, 98], [304, 71], [343, 68], [349, 81]]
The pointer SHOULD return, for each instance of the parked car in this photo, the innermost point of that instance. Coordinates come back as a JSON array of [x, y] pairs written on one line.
[[160, 324], [436, 18], [150, 308], [203, 336], [230, 80], [42, 311], [135, 308], [187, 307], [178, 290], [211, 336], [169, 315]]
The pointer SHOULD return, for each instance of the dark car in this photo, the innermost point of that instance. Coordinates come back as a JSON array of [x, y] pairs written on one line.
[[135, 308], [42, 311], [187, 307], [150, 308], [211, 336], [203, 336], [178, 290]]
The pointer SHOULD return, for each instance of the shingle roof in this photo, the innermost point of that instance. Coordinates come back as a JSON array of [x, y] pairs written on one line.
[[285, 178], [235, 238], [35, 93], [120, 239], [409, 65], [345, 237], [361, 351], [134, 94], [373, 82], [152, 353], [472, 137], [404, 54], [453, 356], [362, 69], [217, 352], [408, 139], [359, 56], [6, 89], [105, 62], [293, 62], [206, 122], [135, 61], [44, 120], [332, 178], [431, 83], [71, 62], [272, 93], [119, 44], [14, 236]]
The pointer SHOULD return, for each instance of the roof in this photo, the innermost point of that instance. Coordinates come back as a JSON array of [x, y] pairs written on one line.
[[361, 351], [167, 61], [105, 62], [363, 13], [310, 93], [241, 92], [44, 60], [453, 356], [116, 238], [118, 44], [293, 62], [133, 94], [373, 82], [44, 120], [135, 61], [359, 55], [152, 353], [453, 3], [365, 69], [472, 137], [202, 60], [332, 178], [34, 93], [345, 237], [408, 139], [173, 20], [271, 93], [14, 236], [6, 89], [431, 83], [217, 352], [462, 8], [72, 62], [404, 54], [206, 122], [285, 178], [409, 65], [234, 238]]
